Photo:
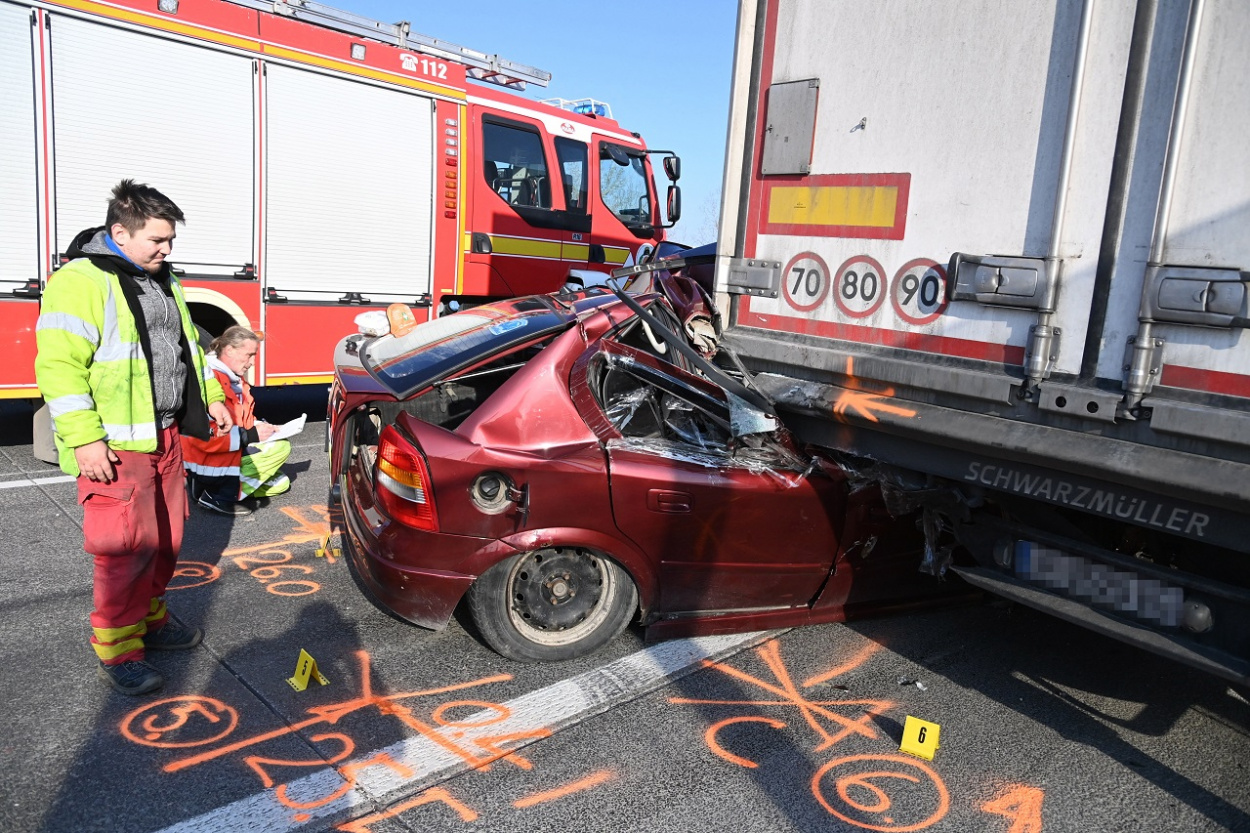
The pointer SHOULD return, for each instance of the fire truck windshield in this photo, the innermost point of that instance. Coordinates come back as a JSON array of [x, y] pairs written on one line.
[[623, 186]]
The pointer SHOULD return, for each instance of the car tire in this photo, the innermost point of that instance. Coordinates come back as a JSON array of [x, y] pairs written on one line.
[[552, 604]]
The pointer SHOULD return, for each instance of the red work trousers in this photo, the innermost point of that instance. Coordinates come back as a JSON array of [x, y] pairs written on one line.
[[133, 529]]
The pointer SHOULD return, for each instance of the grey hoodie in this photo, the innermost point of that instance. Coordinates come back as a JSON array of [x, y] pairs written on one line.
[[164, 326]]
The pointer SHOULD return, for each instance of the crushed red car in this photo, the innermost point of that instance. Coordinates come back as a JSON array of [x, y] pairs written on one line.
[[559, 464]]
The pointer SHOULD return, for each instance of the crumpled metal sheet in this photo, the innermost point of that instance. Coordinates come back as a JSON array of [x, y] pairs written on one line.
[[787, 469]]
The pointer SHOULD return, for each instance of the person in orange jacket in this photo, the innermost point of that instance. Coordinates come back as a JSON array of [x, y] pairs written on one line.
[[241, 462]]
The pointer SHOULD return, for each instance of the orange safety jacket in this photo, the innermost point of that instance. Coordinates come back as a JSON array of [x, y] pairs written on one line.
[[221, 454]]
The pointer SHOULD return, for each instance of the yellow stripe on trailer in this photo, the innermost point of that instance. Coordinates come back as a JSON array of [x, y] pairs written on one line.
[[872, 206]]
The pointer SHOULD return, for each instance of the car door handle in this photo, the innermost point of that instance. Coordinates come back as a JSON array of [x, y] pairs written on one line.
[[673, 503]]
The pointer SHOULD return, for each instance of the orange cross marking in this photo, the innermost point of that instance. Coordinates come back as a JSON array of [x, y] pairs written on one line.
[[789, 694], [337, 711]]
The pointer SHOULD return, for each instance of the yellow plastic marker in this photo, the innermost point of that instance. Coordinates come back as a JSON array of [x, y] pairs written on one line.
[[305, 669], [920, 738], [325, 549]]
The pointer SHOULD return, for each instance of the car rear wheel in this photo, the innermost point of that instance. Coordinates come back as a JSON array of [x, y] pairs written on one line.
[[552, 604]]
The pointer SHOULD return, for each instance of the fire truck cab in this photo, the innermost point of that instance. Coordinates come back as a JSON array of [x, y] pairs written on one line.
[[327, 164]]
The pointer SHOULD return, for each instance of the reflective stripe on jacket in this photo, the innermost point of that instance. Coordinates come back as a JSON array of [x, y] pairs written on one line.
[[221, 455], [92, 368]]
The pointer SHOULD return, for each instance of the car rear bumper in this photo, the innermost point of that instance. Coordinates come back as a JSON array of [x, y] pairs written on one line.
[[384, 553]]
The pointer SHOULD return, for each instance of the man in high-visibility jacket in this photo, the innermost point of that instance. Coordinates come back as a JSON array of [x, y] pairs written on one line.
[[122, 372]]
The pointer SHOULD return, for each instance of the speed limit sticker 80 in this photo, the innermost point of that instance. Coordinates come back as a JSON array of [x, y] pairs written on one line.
[[859, 286], [918, 291]]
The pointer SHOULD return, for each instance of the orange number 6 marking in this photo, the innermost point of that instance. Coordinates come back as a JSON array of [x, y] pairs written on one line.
[[857, 779]]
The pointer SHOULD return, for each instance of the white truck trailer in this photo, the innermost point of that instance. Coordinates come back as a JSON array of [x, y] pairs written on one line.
[[997, 253]]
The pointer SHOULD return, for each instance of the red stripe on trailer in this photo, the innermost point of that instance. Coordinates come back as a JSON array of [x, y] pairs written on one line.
[[1208, 381], [904, 339]]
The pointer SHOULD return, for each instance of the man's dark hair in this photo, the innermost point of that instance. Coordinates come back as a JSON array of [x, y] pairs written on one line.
[[133, 205]]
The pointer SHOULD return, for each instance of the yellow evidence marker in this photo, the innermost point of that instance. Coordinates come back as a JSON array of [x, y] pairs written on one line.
[[305, 669], [920, 738], [326, 550]]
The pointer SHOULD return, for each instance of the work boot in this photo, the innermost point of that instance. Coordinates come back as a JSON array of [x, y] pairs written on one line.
[[133, 677], [213, 504], [172, 637]]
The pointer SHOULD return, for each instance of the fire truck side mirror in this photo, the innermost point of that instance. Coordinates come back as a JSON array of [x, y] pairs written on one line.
[[672, 167], [674, 204]]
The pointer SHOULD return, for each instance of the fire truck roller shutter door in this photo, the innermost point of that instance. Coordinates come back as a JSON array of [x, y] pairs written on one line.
[[196, 146], [336, 148]]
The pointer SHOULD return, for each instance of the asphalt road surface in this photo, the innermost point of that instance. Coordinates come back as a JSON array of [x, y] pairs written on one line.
[[1042, 726]]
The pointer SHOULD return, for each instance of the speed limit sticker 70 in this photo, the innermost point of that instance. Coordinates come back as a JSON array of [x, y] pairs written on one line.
[[859, 286], [806, 281], [918, 291]]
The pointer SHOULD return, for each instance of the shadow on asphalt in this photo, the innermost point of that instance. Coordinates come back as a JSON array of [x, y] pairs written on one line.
[[1026, 653], [187, 755]]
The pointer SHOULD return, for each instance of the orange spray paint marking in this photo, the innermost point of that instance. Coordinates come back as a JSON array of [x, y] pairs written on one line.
[[868, 405], [862, 799], [811, 710], [710, 737], [334, 712], [850, 665], [257, 764], [190, 574], [1020, 804], [430, 796], [582, 784], [180, 722]]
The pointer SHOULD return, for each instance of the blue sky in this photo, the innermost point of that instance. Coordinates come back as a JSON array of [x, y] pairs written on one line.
[[664, 67]]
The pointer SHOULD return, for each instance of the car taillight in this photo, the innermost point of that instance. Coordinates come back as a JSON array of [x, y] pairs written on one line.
[[403, 482]]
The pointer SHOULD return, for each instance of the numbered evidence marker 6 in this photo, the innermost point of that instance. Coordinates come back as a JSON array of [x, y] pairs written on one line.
[[305, 669], [920, 738]]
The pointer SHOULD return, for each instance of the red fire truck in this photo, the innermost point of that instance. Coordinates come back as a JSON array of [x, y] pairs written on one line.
[[327, 164]]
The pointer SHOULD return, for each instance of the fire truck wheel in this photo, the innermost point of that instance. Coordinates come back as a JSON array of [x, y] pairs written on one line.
[[552, 604]]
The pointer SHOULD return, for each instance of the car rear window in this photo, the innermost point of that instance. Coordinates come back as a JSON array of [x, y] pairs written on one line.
[[445, 345]]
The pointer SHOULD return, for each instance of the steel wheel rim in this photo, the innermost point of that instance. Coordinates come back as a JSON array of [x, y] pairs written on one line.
[[548, 572]]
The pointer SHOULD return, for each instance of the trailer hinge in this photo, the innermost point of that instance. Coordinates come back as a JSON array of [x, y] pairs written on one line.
[[1143, 362], [1043, 351], [754, 277]]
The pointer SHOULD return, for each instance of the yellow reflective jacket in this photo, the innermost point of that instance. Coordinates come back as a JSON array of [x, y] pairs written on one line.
[[93, 364]]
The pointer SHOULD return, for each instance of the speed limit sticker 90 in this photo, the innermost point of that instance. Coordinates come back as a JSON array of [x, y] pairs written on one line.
[[918, 291], [806, 280], [859, 286]]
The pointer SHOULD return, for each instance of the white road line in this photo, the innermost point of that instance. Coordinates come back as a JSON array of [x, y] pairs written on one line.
[[548, 710], [37, 481]]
